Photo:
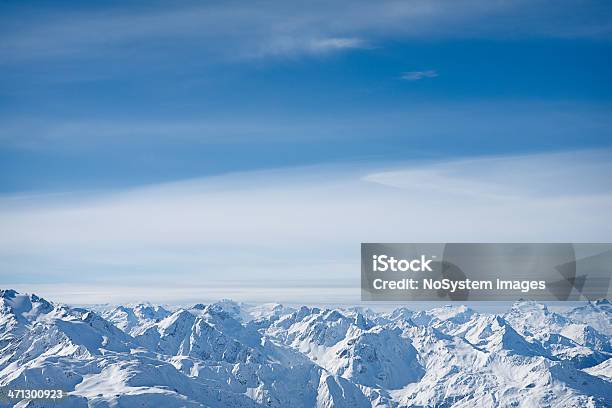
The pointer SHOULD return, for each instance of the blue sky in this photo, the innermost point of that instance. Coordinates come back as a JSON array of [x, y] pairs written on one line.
[[105, 103], [169, 91]]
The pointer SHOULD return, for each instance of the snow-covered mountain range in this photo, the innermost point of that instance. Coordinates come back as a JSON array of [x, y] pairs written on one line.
[[228, 354]]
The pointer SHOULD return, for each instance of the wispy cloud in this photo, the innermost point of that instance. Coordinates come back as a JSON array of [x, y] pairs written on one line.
[[235, 30], [417, 75], [547, 120], [300, 224], [330, 44], [291, 46]]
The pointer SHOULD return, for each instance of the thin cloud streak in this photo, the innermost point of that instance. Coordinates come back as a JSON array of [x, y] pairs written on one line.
[[417, 75], [247, 30], [418, 122]]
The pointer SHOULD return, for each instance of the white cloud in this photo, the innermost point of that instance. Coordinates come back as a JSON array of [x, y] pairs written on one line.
[[302, 225], [294, 45], [416, 75], [328, 44]]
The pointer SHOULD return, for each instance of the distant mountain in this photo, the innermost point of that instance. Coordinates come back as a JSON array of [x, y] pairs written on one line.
[[229, 354], [597, 314]]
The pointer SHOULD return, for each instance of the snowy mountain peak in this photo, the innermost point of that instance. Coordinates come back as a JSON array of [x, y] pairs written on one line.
[[8, 293], [26, 307]]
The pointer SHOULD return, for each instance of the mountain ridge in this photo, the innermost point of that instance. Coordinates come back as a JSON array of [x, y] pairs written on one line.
[[231, 354]]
